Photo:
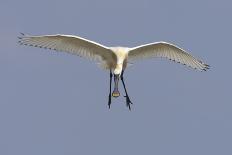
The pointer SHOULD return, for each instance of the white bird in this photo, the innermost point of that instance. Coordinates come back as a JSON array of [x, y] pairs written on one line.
[[114, 59]]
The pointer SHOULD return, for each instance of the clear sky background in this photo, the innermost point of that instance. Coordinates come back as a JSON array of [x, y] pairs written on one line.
[[56, 103]]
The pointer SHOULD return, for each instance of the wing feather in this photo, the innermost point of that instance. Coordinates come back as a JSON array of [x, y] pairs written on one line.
[[70, 44], [166, 50]]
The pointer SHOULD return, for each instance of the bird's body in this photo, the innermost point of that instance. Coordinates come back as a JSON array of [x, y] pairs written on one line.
[[121, 59], [114, 59]]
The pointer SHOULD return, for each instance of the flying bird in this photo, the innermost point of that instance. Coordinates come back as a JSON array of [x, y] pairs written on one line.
[[114, 59]]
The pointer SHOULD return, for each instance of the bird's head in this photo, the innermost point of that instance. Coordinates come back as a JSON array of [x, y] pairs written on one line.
[[117, 74], [118, 69]]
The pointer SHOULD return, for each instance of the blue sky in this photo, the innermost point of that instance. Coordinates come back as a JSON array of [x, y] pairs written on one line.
[[56, 103]]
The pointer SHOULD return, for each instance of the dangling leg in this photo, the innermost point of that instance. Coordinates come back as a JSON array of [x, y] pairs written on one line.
[[128, 101], [109, 100]]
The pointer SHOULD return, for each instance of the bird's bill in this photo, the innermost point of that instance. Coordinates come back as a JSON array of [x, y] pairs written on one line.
[[116, 80]]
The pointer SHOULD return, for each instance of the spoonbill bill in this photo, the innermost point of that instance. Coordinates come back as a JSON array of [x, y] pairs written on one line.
[[114, 59]]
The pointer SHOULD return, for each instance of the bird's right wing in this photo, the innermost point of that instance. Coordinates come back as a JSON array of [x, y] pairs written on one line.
[[166, 50], [70, 44]]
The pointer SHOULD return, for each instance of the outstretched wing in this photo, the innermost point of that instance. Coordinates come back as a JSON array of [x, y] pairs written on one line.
[[166, 50], [70, 44]]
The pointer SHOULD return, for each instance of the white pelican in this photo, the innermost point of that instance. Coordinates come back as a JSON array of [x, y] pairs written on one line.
[[113, 58]]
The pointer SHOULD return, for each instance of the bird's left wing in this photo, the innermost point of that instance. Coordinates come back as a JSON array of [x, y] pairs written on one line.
[[166, 50], [70, 44]]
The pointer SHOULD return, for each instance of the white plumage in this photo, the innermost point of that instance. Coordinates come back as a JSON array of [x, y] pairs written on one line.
[[113, 58], [109, 56]]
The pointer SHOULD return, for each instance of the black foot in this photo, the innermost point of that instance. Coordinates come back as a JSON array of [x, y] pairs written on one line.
[[109, 101], [128, 102]]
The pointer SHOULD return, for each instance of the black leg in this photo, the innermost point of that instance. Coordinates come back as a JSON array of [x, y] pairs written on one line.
[[109, 100], [128, 101]]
